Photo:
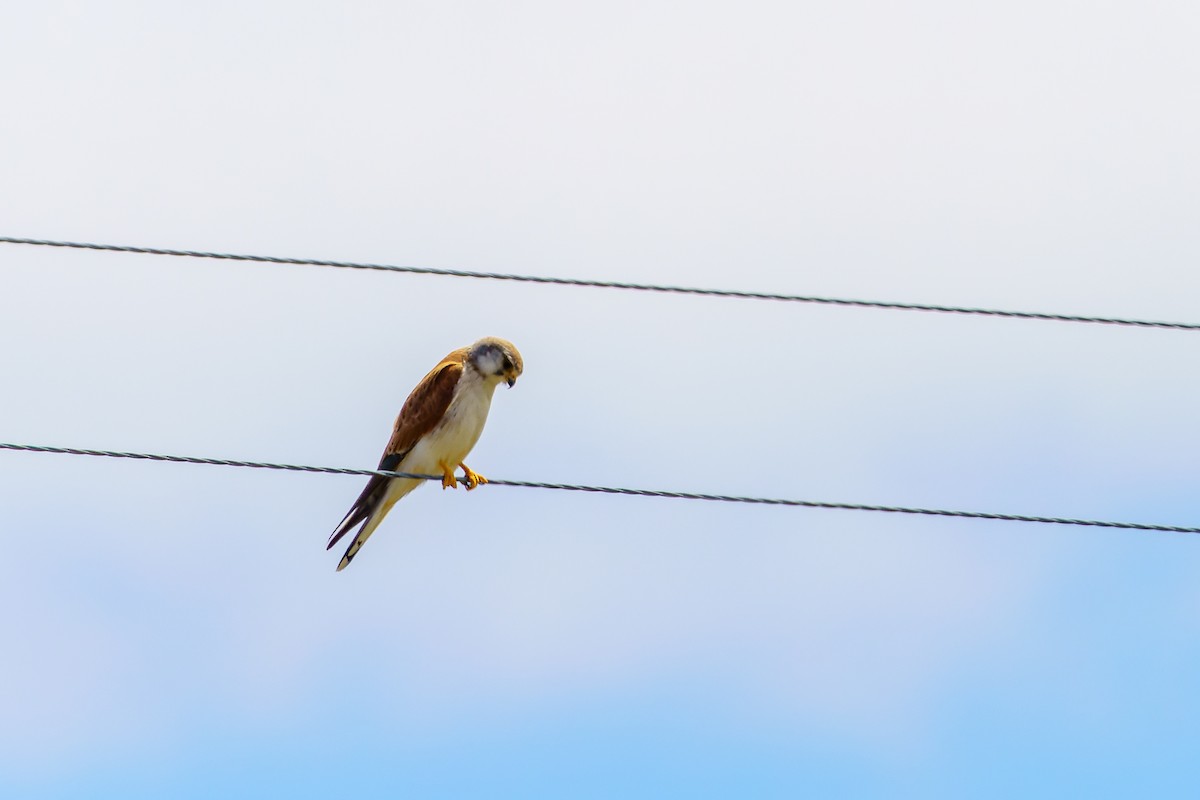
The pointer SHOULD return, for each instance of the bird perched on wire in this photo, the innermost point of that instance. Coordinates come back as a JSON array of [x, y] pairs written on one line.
[[439, 424]]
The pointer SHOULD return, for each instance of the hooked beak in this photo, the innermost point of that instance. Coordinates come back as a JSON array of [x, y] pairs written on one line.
[[510, 382]]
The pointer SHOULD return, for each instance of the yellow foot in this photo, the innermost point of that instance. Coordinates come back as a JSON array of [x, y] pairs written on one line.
[[473, 478], [448, 481]]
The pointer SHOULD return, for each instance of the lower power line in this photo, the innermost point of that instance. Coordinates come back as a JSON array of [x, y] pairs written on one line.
[[570, 487]]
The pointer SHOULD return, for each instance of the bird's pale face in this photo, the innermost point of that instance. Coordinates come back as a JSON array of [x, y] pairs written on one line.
[[497, 359]]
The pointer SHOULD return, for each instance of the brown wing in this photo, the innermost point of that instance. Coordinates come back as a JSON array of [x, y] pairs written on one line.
[[422, 411], [424, 408]]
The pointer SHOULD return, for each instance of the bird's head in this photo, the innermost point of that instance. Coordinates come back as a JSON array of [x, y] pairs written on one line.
[[496, 359]]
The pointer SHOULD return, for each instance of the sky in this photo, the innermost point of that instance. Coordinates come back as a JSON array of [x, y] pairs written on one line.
[[179, 630]]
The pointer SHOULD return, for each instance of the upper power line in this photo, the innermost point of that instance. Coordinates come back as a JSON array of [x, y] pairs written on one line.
[[572, 487], [599, 284]]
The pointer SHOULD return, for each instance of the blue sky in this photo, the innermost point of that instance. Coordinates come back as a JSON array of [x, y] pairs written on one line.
[[180, 630]]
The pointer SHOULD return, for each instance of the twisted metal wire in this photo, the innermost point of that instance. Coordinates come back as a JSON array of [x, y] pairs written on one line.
[[598, 284], [571, 487]]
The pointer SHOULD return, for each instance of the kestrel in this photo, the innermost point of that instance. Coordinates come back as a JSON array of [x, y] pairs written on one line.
[[439, 424]]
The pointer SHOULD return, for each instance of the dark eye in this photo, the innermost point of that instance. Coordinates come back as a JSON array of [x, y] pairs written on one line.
[[507, 363]]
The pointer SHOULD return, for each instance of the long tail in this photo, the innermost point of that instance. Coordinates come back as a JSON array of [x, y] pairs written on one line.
[[361, 537], [370, 508]]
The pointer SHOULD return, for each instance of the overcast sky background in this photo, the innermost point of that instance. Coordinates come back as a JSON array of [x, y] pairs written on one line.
[[180, 631]]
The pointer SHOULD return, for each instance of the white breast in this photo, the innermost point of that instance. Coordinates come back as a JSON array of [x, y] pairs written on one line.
[[451, 440]]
